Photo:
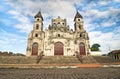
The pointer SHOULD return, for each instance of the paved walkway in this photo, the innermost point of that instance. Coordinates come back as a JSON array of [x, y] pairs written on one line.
[[91, 65], [60, 73]]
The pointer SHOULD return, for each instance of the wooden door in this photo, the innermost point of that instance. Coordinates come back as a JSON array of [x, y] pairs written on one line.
[[58, 48], [82, 49], [35, 49]]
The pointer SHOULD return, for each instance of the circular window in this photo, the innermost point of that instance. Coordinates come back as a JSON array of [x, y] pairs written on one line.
[[37, 19]]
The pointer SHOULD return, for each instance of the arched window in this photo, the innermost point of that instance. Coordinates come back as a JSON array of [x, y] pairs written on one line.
[[37, 19], [58, 22], [36, 35], [80, 35], [54, 24], [82, 44], [37, 26], [58, 35]]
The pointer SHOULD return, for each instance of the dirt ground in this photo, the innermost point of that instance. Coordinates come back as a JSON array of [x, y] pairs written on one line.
[[60, 73]]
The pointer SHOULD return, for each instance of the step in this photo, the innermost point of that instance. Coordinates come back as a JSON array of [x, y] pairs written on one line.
[[66, 59], [59, 60], [55, 59], [105, 59], [17, 60], [89, 59]]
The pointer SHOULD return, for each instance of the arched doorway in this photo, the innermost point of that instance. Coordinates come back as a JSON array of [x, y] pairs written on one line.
[[58, 48], [82, 49], [35, 49]]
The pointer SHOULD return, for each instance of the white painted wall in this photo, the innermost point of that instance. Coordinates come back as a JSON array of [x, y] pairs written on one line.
[[96, 53]]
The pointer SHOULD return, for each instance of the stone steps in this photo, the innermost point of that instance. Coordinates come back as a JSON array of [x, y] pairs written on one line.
[[17, 60], [89, 59], [55, 60], [65, 60], [59, 60], [105, 59], [45, 60]]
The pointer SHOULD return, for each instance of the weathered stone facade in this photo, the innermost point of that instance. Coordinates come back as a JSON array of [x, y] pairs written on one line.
[[58, 39]]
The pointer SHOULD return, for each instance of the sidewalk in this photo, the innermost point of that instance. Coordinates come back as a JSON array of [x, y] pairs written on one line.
[[91, 65]]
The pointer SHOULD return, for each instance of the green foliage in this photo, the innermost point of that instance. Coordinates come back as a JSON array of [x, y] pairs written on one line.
[[95, 47], [11, 53], [4, 53]]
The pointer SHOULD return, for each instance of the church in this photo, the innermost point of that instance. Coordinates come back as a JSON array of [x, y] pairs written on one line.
[[58, 38]]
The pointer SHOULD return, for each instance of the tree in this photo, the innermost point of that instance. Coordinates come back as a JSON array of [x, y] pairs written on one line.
[[11, 53], [95, 47]]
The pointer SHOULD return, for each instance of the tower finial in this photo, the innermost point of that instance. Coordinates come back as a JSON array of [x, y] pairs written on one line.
[[77, 15], [40, 10], [39, 15]]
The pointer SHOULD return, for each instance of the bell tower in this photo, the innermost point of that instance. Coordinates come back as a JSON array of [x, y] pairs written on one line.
[[36, 37], [78, 22], [81, 36], [38, 23]]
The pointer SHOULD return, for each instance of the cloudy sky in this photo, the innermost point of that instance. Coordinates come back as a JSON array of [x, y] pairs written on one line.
[[101, 20]]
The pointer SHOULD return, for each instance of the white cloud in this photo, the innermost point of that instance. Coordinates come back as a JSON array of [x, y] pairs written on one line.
[[89, 5], [89, 25], [108, 23], [94, 13], [106, 18], [110, 11], [24, 27], [106, 40], [63, 8], [100, 38], [22, 10], [13, 12], [60, 8], [53, 9], [23, 24], [12, 42], [104, 3], [117, 0], [116, 32]]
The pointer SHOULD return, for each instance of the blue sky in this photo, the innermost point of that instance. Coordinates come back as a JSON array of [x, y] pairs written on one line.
[[101, 20]]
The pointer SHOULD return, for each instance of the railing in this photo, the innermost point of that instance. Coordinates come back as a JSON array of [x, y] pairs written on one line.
[[39, 57], [80, 57]]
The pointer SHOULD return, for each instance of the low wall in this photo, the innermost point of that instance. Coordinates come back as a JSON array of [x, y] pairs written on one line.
[[96, 53]]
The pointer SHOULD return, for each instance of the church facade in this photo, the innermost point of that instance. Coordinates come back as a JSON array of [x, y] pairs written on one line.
[[58, 39]]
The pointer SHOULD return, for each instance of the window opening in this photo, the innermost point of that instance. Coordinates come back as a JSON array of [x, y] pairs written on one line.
[[58, 35], [37, 19], [36, 35], [37, 26]]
